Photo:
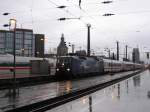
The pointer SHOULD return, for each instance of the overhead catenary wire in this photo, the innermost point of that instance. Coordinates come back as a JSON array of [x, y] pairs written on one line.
[[67, 11], [147, 11], [134, 12], [81, 9]]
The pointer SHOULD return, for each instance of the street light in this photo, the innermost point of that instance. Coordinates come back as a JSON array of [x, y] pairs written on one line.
[[88, 39], [41, 39], [12, 26]]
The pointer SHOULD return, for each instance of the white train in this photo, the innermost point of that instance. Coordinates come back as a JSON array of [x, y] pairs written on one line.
[[8, 59]]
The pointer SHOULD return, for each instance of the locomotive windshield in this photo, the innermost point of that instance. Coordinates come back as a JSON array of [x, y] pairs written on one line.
[[64, 60]]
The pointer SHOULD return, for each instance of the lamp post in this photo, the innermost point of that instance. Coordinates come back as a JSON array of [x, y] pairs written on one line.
[[12, 26], [42, 42], [88, 39]]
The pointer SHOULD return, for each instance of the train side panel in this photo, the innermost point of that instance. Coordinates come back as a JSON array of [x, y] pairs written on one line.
[[86, 65], [89, 66]]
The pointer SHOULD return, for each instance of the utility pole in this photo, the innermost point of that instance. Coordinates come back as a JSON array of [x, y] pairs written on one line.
[[73, 48], [13, 24], [88, 39], [113, 56], [117, 50], [126, 52], [109, 53]]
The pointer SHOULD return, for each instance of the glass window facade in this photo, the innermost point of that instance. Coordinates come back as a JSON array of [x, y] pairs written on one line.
[[2, 42], [24, 41], [19, 42], [28, 40], [9, 40]]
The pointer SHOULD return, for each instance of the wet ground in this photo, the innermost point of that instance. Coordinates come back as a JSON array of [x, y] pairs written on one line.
[[131, 95], [21, 73], [32, 94]]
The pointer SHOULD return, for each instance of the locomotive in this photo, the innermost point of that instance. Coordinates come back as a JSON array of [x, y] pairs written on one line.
[[81, 66]]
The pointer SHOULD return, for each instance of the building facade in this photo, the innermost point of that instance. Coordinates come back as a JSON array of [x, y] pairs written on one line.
[[5, 41], [39, 45], [136, 55], [25, 42], [62, 49]]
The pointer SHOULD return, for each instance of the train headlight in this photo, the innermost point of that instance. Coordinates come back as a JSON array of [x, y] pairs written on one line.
[[68, 69], [57, 69]]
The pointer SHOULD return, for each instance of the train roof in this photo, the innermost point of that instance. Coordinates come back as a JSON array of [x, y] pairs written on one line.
[[81, 57], [112, 61], [116, 61], [98, 58], [9, 58]]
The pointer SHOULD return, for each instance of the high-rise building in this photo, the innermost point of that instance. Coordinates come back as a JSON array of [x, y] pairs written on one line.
[[62, 49], [24, 42], [39, 45], [27, 43], [136, 55]]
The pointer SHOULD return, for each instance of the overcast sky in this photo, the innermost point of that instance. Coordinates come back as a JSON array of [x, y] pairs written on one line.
[[130, 24]]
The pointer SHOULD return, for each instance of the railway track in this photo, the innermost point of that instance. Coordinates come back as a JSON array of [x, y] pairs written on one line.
[[54, 102]]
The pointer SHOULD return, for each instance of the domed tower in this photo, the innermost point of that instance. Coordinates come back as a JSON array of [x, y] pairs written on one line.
[[62, 49]]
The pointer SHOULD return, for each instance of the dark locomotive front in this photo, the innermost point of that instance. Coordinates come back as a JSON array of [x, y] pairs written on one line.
[[63, 67]]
